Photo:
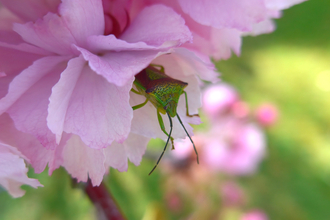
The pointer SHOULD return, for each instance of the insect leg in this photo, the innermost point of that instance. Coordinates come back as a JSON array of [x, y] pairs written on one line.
[[136, 92], [187, 109], [161, 123], [189, 137], [169, 136], [140, 105]]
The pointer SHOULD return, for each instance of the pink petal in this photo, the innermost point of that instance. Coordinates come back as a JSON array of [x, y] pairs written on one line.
[[281, 4], [50, 33], [27, 98], [31, 10], [156, 25], [188, 63], [224, 41], [13, 172], [238, 14], [82, 161], [85, 104], [56, 156], [24, 47], [119, 67], [116, 156], [219, 44], [8, 57], [83, 18], [29, 146], [133, 148], [119, 11], [11, 54], [103, 43], [7, 18], [264, 27]]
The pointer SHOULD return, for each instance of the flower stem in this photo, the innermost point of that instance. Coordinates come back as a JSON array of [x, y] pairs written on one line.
[[104, 202]]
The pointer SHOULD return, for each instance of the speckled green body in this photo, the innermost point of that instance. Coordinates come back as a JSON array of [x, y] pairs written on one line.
[[161, 90]]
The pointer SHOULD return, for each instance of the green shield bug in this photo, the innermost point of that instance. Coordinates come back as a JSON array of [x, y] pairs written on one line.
[[164, 93]]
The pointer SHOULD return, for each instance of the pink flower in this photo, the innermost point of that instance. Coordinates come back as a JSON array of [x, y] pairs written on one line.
[[254, 215], [267, 114], [234, 146], [68, 85], [67, 69]]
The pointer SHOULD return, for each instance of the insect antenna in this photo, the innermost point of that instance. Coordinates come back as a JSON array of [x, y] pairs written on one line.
[[168, 139], [189, 137]]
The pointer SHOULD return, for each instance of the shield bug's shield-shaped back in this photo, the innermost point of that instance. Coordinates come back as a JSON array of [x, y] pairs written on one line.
[[164, 93]]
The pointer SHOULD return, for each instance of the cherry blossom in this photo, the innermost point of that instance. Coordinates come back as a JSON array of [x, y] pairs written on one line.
[[67, 69], [234, 146], [70, 89]]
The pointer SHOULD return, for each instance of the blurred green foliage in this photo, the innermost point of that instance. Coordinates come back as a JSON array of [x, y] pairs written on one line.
[[290, 68]]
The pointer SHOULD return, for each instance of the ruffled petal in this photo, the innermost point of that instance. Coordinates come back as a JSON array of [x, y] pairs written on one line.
[[49, 33], [264, 27], [27, 98], [37, 155], [83, 18], [119, 67], [85, 104], [7, 58], [31, 10], [13, 172], [238, 14], [281, 4], [132, 148], [224, 41], [101, 44], [56, 33], [7, 18], [188, 63], [82, 161], [135, 146], [156, 25]]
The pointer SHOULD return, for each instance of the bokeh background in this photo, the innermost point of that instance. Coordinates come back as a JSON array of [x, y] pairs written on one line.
[[289, 68]]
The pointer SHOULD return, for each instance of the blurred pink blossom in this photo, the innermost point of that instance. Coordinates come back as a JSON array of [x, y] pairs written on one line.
[[240, 109], [254, 215], [232, 194], [267, 114], [183, 148], [234, 146], [218, 98]]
